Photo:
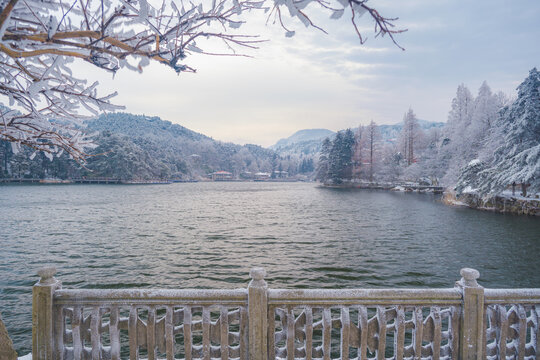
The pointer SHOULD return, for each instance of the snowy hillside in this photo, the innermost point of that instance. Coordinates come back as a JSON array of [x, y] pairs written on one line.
[[302, 136]]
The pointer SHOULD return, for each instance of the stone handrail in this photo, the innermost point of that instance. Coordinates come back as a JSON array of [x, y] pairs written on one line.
[[463, 322]]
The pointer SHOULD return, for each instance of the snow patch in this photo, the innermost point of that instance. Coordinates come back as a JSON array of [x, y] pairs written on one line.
[[26, 357], [468, 189]]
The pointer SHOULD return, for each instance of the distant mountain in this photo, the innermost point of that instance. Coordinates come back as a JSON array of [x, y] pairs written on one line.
[[303, 142], [302, 136]]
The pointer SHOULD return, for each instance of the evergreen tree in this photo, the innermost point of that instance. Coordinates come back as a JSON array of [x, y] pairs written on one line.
[[335, 160], [323, 164], [340, 159], [347, 149]]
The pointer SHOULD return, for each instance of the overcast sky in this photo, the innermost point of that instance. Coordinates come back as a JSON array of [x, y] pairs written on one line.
[[313, 80]]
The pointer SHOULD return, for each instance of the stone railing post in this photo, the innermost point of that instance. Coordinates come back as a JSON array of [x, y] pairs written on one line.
[[42, 314], [472, 316], [257, 315]]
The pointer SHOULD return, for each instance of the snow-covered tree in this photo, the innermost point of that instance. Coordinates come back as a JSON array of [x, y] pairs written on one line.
[[358, 152], [518, 158], [323, 164], [410, 134], [454, 137], [40, 38], [340, 157], [367, 150]]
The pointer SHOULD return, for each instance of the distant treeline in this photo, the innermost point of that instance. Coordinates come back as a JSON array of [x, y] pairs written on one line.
[[488, 144]]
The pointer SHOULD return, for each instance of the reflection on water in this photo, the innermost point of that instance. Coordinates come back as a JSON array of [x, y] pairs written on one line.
[[211, 234]]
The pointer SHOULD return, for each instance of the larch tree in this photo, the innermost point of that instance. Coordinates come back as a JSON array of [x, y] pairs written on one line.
[[39, 39], [358, 152], [409, 135], [454, 135], [372, 137]]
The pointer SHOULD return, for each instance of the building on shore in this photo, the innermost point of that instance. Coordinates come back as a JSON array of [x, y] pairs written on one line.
[[221, 176], [260, 176]]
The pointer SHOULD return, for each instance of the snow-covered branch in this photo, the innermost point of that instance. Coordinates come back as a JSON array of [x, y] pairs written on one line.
[[39, 39]]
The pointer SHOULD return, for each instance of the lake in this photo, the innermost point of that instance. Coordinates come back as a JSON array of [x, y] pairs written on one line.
[[201, 235]]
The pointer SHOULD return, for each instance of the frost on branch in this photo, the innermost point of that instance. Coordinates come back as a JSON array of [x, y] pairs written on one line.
[[39, 39]]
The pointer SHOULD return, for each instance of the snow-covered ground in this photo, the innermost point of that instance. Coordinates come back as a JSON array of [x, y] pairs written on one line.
[[26, 357], [508, 194]]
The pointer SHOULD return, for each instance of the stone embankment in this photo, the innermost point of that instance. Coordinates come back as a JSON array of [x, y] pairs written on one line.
[[404, 186], [500, 204]]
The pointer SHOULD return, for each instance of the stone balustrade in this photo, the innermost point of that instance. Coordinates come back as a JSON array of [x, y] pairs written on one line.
[[463, 322]]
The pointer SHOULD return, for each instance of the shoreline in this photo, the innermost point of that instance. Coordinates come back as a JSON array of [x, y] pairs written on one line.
[[502, 204]]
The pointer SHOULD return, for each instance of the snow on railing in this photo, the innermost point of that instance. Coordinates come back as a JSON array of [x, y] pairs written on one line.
[[464, 322]]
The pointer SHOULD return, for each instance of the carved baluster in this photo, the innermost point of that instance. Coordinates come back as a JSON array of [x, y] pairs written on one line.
[[363, 328], [132, 331], [455, 332], [206, 333], [522, 331], [290, 333], [345, 330], [503, 323], [151, 333], [114, 333], [418, 332], [399, 335], [437, 332], [309, 332], [327, 333], [188, 344], [243, 334], [76, 332], [271, 321], [381, 320], [95, 336], [485, 329], [535, 331], [224, 332], [59, 332], [169, 333]]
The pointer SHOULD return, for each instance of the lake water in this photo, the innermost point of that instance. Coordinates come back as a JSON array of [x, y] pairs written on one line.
[[210, 234]]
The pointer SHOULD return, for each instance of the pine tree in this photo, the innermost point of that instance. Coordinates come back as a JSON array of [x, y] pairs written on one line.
[[409, 135], [347, 149], [335, 159], [323, 164]]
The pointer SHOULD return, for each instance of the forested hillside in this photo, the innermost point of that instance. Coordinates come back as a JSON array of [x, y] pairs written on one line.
[[141, 147]]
